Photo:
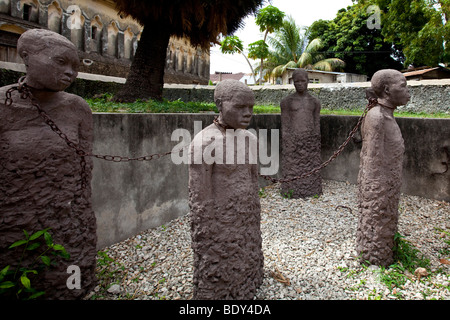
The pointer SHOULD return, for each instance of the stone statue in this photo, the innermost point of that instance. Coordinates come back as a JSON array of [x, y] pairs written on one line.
[[40, 176], [301, 145], [380, 171], [224, 202]]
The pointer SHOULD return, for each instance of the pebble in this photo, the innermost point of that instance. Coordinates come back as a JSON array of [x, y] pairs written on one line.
[[309, 242]]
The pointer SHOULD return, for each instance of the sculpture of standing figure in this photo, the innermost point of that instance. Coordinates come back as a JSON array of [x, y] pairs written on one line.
[[301, 145], [40, 176], [380, 172], [224, 201]]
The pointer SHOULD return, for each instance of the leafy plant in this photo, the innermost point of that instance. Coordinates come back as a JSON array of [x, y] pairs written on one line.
[[231, 45], [407, 258], [103, 103], [288, 195], [446, 239], [406, 254], [262, 193], [109, 272], [16, 281]]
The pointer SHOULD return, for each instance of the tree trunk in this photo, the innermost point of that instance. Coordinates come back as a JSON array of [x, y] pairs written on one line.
[[146, 77]]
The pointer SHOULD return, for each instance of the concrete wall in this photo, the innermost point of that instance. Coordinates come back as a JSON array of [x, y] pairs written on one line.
[[130, 197]]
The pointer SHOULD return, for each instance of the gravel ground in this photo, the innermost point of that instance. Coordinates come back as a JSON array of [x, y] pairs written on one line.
[[309, 250]]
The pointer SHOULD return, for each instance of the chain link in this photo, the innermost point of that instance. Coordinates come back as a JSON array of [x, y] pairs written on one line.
[[25, 93], [372, 103]]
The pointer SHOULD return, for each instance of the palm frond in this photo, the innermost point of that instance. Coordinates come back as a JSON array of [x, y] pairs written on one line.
[[331, 64], [314, 45]]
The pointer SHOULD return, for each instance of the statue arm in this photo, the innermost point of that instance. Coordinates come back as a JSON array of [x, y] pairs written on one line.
[[86, 134], [200, 173], [317, 117], [373, 133]]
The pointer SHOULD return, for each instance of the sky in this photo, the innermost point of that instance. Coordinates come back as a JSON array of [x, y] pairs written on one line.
[[304, 12]]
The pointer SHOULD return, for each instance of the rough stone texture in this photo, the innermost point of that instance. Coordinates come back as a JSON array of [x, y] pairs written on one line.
[[225, 216], [380, 175], [380, 180], [40, 176], [117, 187], [426, 95], [300, 134]]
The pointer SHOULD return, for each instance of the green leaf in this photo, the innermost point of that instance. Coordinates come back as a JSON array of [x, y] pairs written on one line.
[[46, 260], [48, 239], [4, 272], [25, 281], [26, 234], [7, 284], [37, 234], [18, 243], [35, 295], [30, 271], [58, 247], [33, 246]]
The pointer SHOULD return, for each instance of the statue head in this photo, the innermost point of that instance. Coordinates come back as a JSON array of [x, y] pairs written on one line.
[[235, 101], [51, 59], [301, 79], [390, 87]]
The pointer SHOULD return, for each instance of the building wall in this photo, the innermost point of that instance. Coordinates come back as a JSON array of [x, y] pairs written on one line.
[[325, 77], [106, 41]]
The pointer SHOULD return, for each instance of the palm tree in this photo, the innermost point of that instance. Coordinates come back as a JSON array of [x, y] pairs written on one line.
[[201, 21], [231, 45], [269, 19], [292, 50]]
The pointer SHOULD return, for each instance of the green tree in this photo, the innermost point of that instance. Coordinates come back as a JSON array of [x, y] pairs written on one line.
[[349, 38], [419, 27], [258, 50], [201, 21], [232, 45], [269, 19], [292, 50]]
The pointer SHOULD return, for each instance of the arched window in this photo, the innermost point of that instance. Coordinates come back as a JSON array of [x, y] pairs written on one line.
[[96, 34], [5, 6], [113, 31], [76, 25], [128, 43], [30, 10], [54, 17]]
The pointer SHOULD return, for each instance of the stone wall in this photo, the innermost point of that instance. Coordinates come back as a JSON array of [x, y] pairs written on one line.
[[130, 197], [426, 95]]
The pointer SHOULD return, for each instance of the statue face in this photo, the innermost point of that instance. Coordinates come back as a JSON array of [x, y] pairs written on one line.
[[237, 112], [52, 68], [398, 92], [300, 82]]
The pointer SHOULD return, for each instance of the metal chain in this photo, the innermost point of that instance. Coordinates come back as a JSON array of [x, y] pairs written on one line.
[[25, 93], [371, 104]]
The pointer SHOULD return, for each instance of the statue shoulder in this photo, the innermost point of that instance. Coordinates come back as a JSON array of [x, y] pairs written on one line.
[[204, 137], [287, 101], [375, 117], [77, 102]]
